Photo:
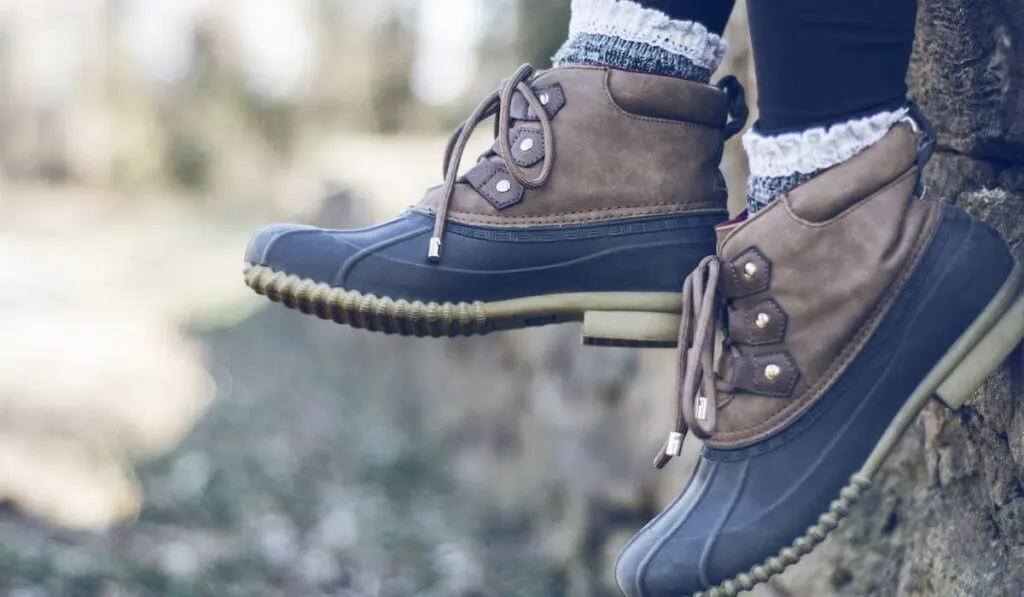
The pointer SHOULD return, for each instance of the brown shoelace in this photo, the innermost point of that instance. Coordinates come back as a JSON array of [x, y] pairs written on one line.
[[499, 102], [698, 385]]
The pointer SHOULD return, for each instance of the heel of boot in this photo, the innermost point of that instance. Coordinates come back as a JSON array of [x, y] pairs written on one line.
[[985, 357], [630, 328]]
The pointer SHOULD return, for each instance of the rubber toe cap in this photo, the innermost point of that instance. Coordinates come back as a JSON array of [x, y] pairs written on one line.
[[652, 567], [260, 244], [305, 251]]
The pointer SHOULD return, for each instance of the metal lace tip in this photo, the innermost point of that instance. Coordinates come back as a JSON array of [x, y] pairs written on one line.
[[702, 408], [674, 445], [434, 253]]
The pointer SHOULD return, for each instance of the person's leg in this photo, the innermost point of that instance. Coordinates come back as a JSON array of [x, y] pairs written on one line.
[[713, 14], [831, 82], [680, 38]]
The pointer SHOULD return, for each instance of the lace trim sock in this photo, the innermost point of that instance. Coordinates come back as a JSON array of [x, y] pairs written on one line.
[[624, 35], [779, 163]]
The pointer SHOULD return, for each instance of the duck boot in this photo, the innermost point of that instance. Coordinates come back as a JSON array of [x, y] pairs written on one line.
[[601, 190], [843, 308]]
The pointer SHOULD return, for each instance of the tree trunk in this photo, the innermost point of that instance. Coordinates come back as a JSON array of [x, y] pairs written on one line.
[[947, 518]]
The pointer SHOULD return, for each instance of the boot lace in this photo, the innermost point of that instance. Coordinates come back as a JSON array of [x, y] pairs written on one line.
[[497, 103], [698, 384]]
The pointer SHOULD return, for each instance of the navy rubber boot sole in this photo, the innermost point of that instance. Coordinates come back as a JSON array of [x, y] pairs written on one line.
[[622, 279], [750, 512]]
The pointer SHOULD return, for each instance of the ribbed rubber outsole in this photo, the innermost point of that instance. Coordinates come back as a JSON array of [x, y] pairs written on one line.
[[982, 348], [804, 545], [366, 311], [438, 320]]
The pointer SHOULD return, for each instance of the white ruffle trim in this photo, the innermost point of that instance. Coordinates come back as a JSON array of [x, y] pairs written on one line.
[[632, 22], [816, 149]]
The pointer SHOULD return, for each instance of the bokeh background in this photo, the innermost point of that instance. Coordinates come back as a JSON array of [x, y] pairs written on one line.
[[163, 431]]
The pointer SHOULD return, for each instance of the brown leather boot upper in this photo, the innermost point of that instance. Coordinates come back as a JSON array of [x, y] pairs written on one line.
[[803, 284], [623, 145]]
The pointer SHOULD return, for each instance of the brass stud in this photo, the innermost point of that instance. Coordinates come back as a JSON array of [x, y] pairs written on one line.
[[749, 270], [762, 320], [772, 372]]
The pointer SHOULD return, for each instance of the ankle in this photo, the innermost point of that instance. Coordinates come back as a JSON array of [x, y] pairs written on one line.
[[624, 35], [779, 163]]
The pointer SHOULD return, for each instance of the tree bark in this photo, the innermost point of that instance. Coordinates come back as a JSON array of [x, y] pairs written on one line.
[[947, 518]]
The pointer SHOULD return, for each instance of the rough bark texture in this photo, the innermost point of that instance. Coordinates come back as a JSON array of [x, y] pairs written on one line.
[[948, 519]]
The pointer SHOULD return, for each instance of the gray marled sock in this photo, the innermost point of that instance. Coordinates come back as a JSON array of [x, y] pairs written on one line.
[[762, 190], [623, 54], [624, 35]]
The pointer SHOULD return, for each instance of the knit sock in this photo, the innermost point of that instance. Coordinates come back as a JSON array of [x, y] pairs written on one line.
[[624, 35], [782, 162]]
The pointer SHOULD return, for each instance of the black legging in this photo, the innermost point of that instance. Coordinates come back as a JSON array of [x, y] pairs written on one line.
[[713, 14], [818, 62]]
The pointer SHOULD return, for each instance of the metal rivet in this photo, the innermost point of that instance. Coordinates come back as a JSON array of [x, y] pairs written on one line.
[[772, 372], [503, 186], [544, 99], [526, 144], [762, 320], [749, 270]]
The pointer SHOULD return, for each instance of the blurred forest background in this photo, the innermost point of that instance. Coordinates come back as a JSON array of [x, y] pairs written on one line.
[[165, 432], [204, 94]]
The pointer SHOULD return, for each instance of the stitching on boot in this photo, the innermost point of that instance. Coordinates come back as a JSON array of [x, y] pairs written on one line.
[[618, 108], [584, 216], [789, 209]]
